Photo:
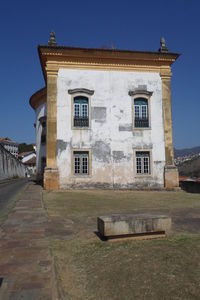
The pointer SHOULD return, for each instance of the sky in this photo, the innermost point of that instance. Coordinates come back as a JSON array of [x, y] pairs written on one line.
[[126, 24]]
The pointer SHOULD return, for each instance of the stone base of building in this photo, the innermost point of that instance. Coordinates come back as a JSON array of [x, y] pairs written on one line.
[[51, 179], [171, 177]]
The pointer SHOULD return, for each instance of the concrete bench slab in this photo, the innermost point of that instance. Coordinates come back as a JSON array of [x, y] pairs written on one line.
[[133, 224]]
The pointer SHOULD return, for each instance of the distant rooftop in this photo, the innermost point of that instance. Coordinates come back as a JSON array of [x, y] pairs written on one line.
[[6, 140]]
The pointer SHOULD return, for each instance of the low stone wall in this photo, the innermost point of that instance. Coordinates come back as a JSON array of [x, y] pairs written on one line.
[[10, 166], [190, 186], [121, 225]]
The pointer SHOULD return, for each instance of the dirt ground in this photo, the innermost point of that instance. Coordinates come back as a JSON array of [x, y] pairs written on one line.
[[88, 268]]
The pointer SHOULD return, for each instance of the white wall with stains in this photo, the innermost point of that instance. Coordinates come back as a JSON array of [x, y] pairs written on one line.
[[10, 166], [111, 137]]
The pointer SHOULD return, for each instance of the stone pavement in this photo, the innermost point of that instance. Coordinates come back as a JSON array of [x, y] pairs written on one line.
[[26, 265]]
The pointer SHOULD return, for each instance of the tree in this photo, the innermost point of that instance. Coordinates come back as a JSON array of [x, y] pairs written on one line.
[[25, 147]]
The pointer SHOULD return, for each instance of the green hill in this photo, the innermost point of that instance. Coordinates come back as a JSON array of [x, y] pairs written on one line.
[[190, 167]]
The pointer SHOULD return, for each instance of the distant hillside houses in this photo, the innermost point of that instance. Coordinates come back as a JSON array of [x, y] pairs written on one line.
[[186, 151], [183, 158]]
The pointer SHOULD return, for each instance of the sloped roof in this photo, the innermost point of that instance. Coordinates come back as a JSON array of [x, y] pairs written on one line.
[[31, 161]]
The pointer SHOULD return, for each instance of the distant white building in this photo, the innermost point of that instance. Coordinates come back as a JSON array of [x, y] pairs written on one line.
[[9, 145], [108, 118], [29, 160]]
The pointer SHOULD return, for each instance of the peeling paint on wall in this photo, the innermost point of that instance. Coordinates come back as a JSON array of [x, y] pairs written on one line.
[[118, 156], [104, 185], [142, 87], [137, 133], [61, 146], [98, 113], [125, 127], [143, 146], [101, 151], [111, 136]]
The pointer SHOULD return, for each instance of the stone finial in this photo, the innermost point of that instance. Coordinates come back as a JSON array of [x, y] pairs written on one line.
[[52, 39], [163, 47]]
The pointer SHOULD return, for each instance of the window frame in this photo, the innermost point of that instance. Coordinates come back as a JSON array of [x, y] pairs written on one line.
[[143, 175], [43, 163], [140, 111], [73, 153], [147, 96], [43, 136], [81, 163], [80, 109], [78, 93], [140, 162]]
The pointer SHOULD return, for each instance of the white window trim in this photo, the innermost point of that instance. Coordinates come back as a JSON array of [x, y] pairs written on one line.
[[142, 158], [81, 168], [89, 163], [88, 111], [148, 98], [143, 175]]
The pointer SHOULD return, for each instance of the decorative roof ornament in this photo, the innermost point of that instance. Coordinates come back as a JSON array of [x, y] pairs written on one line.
[[163, 47], [52, 39]]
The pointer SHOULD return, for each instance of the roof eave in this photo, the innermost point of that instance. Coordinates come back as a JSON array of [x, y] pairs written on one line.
[[36, 95], [97, 52]]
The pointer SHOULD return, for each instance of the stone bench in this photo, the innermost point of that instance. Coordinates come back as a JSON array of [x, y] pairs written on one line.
[[135, 225]]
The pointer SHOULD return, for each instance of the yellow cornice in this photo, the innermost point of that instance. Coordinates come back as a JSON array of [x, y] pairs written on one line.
[[52, 68], [165, 73], [97, 59]]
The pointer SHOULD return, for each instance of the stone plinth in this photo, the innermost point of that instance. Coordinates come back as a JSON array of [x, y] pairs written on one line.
[[171, 177], [51, 179], [126, 225]]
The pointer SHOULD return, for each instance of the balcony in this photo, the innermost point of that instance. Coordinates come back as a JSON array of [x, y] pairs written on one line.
[[81, 122], [141, 123]]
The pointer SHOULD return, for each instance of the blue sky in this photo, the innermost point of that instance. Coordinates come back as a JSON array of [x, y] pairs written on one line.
[[135, 25]]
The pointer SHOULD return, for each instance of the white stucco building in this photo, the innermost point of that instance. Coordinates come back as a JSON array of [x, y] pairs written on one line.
[[29, 160], [10, 146], [38, 103], [108, 118]]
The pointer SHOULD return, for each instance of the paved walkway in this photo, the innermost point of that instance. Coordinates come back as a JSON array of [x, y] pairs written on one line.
[[25, 259], [9, 190]]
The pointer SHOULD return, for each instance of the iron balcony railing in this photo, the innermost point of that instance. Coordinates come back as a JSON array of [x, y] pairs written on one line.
[[81, 122], [141, 122]]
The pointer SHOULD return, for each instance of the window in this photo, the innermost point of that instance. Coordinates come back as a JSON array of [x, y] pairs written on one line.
[[43, 164], [141, 118], [142, 162], [81, 118], [81, 163], [43, 135], [43, 138], [42, 121], [43, 124]]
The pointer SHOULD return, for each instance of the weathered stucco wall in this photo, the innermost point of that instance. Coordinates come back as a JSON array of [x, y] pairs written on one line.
[[10, 166], [111, 136], [41, 148]]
